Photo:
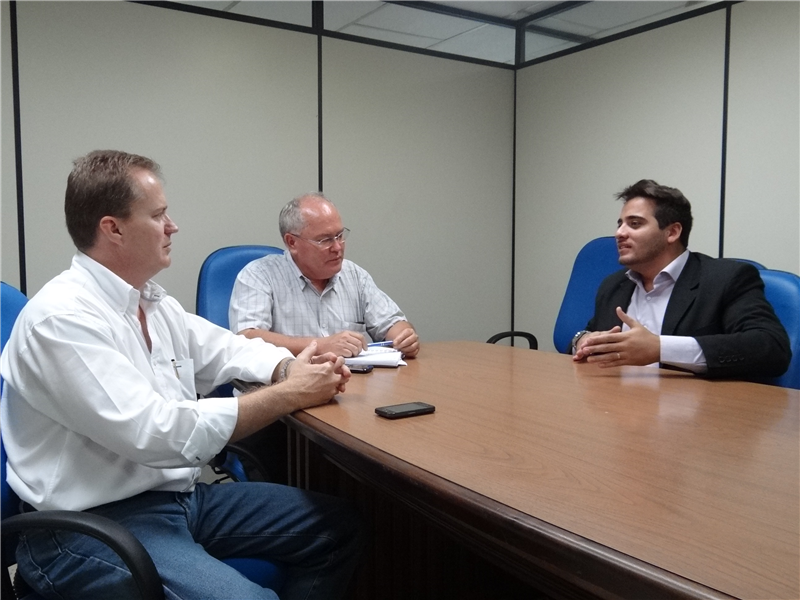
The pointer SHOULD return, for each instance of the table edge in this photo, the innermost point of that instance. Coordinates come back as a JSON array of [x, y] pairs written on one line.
[[513, 540]]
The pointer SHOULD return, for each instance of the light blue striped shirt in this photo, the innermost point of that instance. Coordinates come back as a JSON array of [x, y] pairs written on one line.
[[272, 294]]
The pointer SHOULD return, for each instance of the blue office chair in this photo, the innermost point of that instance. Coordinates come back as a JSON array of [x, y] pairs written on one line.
[[597, 260], [782, 289], [214, 287], [217, 276], [757, 265], [117, 537]]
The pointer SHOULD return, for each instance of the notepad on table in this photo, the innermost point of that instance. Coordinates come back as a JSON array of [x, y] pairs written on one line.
[[377, 356]]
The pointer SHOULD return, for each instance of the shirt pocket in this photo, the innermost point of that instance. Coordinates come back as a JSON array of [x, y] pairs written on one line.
[[181, 378]]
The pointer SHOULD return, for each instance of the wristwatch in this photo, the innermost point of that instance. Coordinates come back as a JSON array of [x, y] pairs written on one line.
[[284, 370], [576, 338]]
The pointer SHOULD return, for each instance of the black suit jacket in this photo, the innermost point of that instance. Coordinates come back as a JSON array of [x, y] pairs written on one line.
[[720, 303]]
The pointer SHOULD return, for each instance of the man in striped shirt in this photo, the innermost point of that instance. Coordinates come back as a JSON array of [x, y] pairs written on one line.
[[312, 292]]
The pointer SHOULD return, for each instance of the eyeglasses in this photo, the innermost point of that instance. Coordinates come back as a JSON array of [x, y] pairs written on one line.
[[328, 242]]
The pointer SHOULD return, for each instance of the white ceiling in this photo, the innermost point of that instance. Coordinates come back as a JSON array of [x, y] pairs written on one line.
[[390, 22]]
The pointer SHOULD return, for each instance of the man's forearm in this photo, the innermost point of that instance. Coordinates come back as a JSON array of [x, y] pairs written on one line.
[[295, 345], [260, 408], [395, 329]]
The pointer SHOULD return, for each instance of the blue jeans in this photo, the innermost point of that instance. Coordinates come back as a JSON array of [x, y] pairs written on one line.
[[318, 538]]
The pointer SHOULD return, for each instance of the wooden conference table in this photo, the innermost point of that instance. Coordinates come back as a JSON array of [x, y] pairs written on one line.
[[621, 483]]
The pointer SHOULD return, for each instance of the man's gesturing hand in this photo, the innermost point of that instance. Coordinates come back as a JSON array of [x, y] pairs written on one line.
[[615, 348]]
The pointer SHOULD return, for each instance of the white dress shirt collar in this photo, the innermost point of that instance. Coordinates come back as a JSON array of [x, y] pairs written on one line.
[[668, 274], [115, 290]]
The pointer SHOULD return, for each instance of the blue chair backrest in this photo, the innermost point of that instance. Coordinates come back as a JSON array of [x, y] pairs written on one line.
[[782, 289], [217, 276], [11, 303], [597, 260], [757, 265]]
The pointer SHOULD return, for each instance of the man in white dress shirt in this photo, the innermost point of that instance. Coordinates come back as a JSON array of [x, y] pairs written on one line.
[[312, 292], [100, 413]]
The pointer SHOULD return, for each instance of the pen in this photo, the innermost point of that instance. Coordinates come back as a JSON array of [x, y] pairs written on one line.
[[386, 344], [175, 367]]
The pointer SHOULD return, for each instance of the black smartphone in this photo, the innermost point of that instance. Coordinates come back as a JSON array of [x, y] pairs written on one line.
[[360, 368], [409, 409]]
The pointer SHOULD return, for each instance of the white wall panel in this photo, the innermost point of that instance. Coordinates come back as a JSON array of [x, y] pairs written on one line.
[[228, 109], [762, 208], [591, 123], [9, 265], [418, 157]]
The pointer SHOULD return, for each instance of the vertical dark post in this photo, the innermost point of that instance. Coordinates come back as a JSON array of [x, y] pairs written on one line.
[[514, 207], [23, 277], [318, 24], [724, 154]]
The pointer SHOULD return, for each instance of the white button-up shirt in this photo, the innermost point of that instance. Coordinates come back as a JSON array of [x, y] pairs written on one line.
[[90, 416], [649, 308]]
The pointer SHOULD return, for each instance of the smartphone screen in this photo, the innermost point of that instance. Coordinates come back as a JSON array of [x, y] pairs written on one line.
[[409, 409]]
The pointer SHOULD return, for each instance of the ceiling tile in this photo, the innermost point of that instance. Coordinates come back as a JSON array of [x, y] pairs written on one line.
[[389, 36], [210, 4], [558, 23], [466, 37], [295, 11], [537, 45], [342, 13], [611, 14], [413, 21], [487, 42], [498, 8]]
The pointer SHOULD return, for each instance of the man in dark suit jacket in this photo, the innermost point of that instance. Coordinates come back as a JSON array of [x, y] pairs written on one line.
[[676, 307]]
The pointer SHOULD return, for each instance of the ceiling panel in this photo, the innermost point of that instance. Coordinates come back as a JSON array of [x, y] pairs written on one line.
[[500, 8], [601, 16], [394, 37], [487, 42], [541, 45], [392, 17], [297, 12], [210, 4], [339, 15], [468, 37]]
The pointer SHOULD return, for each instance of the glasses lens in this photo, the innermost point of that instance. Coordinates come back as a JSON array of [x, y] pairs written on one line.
[[327, 243]]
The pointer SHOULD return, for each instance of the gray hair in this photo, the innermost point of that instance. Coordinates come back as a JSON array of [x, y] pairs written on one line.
[[291, 218]]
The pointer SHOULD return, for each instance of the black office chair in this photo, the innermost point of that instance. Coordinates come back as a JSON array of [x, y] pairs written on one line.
[[532, 341]]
